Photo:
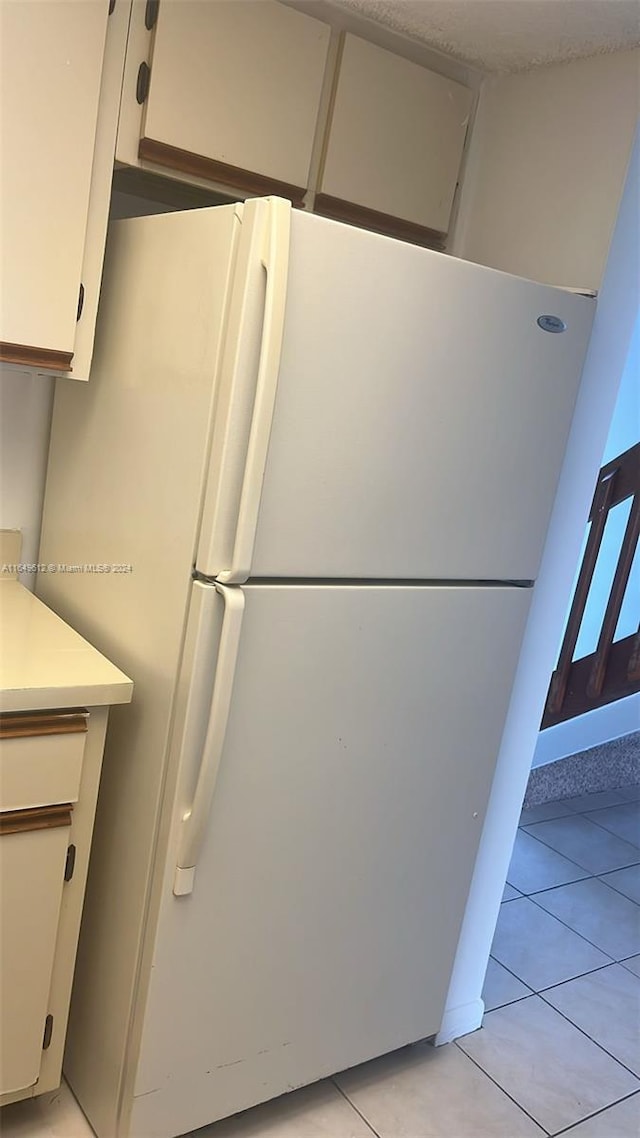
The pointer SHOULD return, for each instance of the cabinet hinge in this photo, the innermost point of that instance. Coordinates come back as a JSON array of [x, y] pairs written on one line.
[[70, 863], [80, 302], [112, 5], [142, 86], [151, 14], [48, 1032]]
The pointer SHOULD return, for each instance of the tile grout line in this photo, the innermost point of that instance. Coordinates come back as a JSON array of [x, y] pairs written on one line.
[[580, 976], [623, 964], [559, 984], [606, 828], [600, 877], [354, 1107], [561, 885], [588, 874], [596, 1042], [574, 931], [596, 1114], [586, 867], [587, 1036], [497, 1084], [582, 814], [517, 1000], [580, 868], [511, 972], [540, 992], [610, 959], [588, 877]]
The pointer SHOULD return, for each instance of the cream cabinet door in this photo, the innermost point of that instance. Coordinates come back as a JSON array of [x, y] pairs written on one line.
[[234, 93], [31, 881], [51, 55], [395, 138]]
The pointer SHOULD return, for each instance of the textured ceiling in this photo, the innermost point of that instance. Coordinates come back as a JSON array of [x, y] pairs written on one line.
[[509, 35]]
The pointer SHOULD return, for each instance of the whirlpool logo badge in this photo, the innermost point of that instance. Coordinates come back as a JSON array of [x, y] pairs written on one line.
[[551, 324]]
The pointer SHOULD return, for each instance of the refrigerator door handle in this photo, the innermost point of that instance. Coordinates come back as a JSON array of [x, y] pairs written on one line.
[[194, 821], [275, 259]]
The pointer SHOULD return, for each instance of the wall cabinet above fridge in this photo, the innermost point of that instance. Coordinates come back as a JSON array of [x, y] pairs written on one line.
[[240, 98], [61, 68], [258, 97], [226, 92], [394, 145]]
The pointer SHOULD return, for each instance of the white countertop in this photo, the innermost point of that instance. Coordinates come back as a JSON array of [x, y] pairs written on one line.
[[45, 664]]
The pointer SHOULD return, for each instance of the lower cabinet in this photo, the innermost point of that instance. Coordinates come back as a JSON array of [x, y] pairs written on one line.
[[50, 765], [33, 853]]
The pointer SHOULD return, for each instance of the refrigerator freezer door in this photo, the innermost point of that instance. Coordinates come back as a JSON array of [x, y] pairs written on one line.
[[420, 418], [361, 739], [247, 384]]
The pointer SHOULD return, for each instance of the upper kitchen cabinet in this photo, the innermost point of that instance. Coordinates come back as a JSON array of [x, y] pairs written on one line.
[[394, 145], [52, 54], [231, 93]]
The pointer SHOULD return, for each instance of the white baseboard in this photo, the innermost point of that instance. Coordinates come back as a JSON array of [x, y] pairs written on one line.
[[596, 727], [460, 1021]]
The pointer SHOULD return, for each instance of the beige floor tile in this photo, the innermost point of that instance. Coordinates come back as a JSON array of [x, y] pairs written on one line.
[[510, 893], [538, 949], [626, 881], [433, 1092], [534, 866], [605, 1005], [630, 793], [544, 811], [319, 1111], [588, 845], [501, 987], [633, 964], [619, 1121], [549, 1067], [598, 913], [52, 1115], [622, 820]]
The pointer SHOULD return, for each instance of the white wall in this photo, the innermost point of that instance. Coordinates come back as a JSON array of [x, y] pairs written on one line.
[[546, 168], [622, 716], [608, 349], [25, 417], [624, 431]]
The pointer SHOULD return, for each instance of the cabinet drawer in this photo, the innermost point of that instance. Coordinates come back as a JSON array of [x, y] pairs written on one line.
[[41, 758]]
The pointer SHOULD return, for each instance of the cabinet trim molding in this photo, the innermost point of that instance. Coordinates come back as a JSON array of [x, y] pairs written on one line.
[[173, 158], [339, 210], [37, 818], [14, 725], [29, 356]]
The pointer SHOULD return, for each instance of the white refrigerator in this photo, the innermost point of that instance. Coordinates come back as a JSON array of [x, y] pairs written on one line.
[[319, 465]]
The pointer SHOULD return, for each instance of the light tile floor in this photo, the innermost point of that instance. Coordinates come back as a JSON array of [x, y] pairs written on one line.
[[559, 1052]]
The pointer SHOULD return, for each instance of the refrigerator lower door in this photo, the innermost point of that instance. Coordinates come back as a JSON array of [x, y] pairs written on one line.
[[359, 746]]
